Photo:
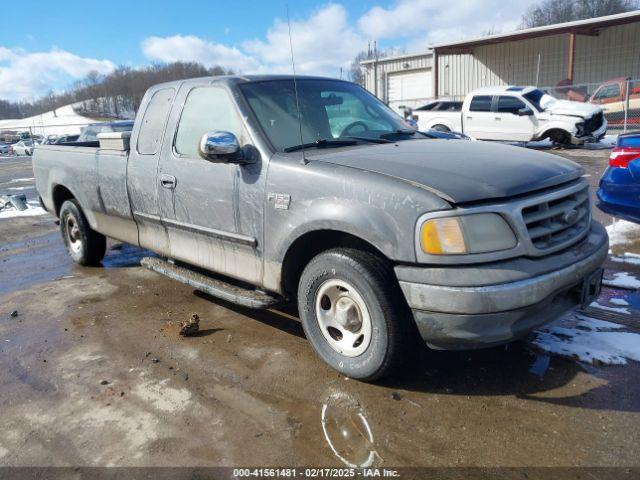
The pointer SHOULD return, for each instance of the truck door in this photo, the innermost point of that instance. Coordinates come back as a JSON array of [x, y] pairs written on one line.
[[508, 124], [199, 199], [477, 120], [142, 169]]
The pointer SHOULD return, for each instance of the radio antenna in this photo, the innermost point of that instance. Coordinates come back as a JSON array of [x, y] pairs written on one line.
[[295, 84]]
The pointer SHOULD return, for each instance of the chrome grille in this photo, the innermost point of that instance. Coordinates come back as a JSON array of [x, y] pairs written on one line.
[[557, 221]]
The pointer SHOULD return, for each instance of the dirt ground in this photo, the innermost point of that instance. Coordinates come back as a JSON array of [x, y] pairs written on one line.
[[94, 373]]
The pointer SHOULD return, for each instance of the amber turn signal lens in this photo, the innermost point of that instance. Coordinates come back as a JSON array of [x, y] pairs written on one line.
[[442, 236]]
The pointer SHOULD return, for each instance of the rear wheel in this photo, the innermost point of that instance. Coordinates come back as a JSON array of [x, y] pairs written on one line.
[[85, 245], [441, 128], [353, 313]]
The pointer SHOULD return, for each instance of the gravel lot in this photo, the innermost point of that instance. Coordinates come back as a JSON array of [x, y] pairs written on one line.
[[94, 373]]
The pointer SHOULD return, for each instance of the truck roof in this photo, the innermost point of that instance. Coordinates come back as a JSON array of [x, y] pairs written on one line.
[[239, 79], [504, 88]]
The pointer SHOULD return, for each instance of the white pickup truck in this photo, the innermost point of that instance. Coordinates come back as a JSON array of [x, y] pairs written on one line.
[[521, 114]]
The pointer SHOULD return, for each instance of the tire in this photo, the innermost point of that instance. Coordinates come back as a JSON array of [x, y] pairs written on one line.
[[560, 138], [441, 128], [359, 285], [85, 245]]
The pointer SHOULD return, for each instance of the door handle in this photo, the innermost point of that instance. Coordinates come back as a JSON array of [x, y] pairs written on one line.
[[497, 118], [168, 181], [469, 117]]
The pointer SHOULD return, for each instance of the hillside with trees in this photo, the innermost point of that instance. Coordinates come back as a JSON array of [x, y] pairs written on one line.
[[115, 95], [550, 12]]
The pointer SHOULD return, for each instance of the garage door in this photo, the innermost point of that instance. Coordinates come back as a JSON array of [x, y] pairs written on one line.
[[410, 86]]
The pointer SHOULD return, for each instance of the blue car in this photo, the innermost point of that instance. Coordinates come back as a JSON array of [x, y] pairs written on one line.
[[619, 192]]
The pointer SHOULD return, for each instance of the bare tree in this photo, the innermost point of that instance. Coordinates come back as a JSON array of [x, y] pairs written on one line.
[[550, 12], [115, 95]]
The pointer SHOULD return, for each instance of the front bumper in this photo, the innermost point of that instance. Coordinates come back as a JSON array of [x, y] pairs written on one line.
[[489, 304], [592, 137]]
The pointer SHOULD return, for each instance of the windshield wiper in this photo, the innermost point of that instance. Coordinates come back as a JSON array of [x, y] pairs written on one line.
[[321, 143]]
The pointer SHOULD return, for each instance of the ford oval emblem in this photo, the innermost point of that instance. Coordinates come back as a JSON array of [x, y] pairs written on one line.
[[570, 216]]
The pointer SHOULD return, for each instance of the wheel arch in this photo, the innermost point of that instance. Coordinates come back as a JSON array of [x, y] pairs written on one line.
[[311, 243], [60, 194]]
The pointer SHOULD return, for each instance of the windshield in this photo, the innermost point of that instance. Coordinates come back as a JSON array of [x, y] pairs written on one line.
[[329, 110], [539, 99]]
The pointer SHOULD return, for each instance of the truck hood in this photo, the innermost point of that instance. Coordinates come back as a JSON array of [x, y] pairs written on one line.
[[576, 109], [458, 171]]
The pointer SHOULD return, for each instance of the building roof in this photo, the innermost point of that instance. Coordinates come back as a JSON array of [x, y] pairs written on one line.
[[589, 26], [394, 58]]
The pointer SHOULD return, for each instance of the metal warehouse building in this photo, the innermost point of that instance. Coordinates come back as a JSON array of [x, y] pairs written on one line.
[[582, 52]]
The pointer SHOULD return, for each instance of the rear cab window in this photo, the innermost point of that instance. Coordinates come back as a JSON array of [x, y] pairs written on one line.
[[153, 121]]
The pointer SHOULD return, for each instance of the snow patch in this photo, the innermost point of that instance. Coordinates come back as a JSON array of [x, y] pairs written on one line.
[[63, 120], [32, 211], [623, 280], [622, 232], [589, 340], [628, 258], [597, 305], [20, 188], [21, 180], [619, 301]]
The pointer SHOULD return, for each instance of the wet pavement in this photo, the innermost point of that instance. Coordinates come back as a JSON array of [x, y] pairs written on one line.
[[93, 372]]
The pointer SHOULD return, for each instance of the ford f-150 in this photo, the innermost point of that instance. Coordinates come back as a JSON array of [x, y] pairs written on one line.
[[522, 114], [262, 189]]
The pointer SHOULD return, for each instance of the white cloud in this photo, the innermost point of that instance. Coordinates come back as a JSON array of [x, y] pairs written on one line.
[[434, 21], [189, 48], [322, 44], [25, 75]]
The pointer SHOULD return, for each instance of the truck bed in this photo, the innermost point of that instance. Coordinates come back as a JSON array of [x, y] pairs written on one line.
[[95, 177]]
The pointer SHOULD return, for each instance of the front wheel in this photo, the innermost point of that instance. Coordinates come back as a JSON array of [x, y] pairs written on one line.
[[85, 245], [353, 313]]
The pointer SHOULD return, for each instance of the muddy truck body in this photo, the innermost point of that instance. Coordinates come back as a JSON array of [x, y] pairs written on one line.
[[262, 189]]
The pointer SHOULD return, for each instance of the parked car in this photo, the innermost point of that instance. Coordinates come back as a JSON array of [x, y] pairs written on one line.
[[520, 114], [23, 147], [619, 192], [440, 106], [90, 132], [59, 139], [380, 234], [4, 148], [612, 95]]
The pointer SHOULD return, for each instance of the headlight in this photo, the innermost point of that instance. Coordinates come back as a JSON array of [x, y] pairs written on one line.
[[477, 233]]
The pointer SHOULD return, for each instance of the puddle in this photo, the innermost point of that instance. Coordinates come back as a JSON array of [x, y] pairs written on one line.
[[124, 255], [347, 431]]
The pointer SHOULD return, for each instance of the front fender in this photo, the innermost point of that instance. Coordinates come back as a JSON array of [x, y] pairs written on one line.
[[568, 127]]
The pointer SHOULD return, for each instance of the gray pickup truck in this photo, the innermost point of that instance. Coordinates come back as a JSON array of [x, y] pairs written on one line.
[[263, 189]]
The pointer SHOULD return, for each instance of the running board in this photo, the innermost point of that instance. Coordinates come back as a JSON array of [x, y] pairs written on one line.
[[214, 287]]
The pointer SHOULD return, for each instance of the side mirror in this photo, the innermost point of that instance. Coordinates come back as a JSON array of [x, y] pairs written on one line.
[[221, 147], [524, 112]]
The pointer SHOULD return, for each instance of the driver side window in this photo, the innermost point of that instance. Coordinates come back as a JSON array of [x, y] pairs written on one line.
[[206, 109]]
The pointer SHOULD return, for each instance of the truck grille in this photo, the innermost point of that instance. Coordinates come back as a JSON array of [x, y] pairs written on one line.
[[557, 221], [593, 124]]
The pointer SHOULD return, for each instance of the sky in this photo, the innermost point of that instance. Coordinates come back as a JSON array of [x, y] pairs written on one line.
[[50, 44]]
